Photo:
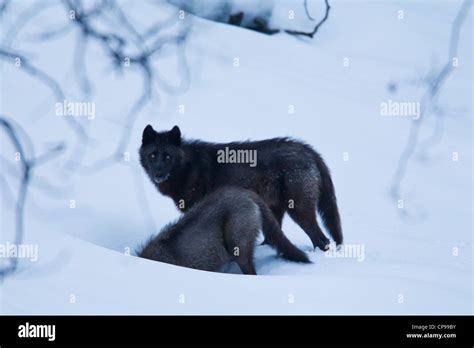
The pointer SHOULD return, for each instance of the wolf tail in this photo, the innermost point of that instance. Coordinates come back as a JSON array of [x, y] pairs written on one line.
[[327, 204], [275, 237]]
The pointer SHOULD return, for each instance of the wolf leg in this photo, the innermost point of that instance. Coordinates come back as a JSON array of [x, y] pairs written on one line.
[[305, 217], [245, 262], [243, 252], [278, 212], [240, 234]]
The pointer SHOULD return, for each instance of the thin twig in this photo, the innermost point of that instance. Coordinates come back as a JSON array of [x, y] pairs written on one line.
[[307, 11], [315, 30]]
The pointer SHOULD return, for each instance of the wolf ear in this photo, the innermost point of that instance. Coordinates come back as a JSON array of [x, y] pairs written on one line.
[[148, 135], [174, 136]]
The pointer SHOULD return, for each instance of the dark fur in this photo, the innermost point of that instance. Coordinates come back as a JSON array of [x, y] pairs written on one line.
[[206, 236], [286, 170]]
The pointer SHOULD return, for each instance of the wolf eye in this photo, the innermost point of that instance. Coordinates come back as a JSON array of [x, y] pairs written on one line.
[[152, 156], [167, 157]]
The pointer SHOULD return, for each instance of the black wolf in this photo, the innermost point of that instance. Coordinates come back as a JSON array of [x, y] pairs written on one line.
[[221, 228], [289, 176]]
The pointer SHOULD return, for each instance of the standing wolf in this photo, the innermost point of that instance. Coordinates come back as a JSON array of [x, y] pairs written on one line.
[[221, 228], [289, 176]]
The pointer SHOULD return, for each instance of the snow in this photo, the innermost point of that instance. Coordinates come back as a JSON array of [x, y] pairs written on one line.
[[416, 265]]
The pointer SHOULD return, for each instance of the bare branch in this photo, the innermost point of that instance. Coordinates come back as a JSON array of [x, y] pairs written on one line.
[[27, 164], [316, 28], [22, 20], [428, 100], [47, 80], [51, 34], [80, 52], [307, 11]]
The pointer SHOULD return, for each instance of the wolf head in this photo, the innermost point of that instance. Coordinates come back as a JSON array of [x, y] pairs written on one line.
[[161, 153]]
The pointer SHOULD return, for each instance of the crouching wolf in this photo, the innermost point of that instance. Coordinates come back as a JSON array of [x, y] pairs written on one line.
[[223, 227], [289, 176]]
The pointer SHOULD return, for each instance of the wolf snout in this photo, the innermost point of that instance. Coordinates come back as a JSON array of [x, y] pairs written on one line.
[[160, 177]]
